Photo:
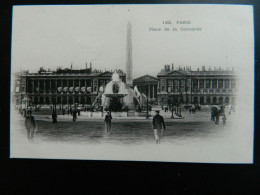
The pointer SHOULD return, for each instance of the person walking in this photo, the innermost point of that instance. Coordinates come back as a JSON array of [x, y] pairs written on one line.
[[74, 115], [54, 117], [108, 119], [224, 119], [30, 125], [158, 122]]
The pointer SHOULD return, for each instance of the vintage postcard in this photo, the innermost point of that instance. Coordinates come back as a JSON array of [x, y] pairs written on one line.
[[171, 83]]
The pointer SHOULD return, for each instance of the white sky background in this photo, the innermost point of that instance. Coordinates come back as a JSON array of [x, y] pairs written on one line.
[[53, 36]]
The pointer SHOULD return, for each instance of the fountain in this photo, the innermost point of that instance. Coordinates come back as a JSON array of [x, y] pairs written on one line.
[[117, 96]]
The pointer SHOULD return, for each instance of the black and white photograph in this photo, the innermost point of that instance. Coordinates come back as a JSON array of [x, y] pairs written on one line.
[[168, 83]]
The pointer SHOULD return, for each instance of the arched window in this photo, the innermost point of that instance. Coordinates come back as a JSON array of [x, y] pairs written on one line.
[[214, 100], [208, 100]]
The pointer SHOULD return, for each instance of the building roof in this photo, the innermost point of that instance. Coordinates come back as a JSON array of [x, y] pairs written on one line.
[[146, 78]]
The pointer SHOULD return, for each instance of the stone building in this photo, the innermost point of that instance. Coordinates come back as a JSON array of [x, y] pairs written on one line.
[[147, 85], [63, 86], [203, 86]]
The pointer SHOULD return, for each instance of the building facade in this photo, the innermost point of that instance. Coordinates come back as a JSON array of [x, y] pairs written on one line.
[[147, 85], [203, 87], [64, 86]]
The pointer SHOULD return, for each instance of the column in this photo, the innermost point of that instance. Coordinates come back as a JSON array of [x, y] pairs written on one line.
[[172, 86], [153, 90], [149, 95], [205, 86], [33, 86], [50, 85], [62, 83], [38, 86], [44, 83], [217, 83], [86, 84], [68, 85], [198, 83], [79, 86], [230, 85], [211, 84], [56, 86], [91, 84]]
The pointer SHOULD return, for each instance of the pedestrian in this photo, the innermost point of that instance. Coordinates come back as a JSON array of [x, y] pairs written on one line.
[[54, 117], [224, 119], [217, 117], [74, 115], [158, 122], [108, 119], [30, 125]]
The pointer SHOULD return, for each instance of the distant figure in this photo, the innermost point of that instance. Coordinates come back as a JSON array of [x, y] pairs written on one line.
[[74, 115], [78, 112], [213, 113], [63, 111], [158, 122], [224, 119], [30, 125], [108, 119], [217, 117], [54, 117], [67, 110]]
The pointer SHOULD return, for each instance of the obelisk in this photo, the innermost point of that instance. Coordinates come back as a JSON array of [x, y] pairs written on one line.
[[129, 65]]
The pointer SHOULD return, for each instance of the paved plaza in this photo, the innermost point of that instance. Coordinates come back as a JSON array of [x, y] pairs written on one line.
[[125, 130]]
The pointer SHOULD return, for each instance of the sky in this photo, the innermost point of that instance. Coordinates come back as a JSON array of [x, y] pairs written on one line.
[[58, 36]]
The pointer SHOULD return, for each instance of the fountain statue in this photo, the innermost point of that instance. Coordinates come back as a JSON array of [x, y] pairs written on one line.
[[117, 96]]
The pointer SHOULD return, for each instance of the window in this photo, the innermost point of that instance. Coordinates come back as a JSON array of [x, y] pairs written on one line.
[[207, 83]]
